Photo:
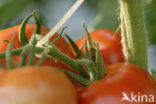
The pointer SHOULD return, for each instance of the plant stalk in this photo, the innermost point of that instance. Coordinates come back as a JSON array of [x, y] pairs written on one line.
[[133, 28]]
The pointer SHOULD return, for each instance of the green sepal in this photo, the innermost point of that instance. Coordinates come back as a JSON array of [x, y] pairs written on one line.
[[81, 80], [99, 63], [80, 55], [54, 41], [74, 46], [38, 25], [88, 55], [22, 36], [8, 55], [10, 43], [91, 45], [89, 67]]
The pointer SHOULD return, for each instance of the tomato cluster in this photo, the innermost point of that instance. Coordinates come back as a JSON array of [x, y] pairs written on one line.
[[48, 85]]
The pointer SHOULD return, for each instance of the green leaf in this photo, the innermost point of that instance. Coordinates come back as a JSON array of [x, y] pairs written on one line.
[[11, 8]]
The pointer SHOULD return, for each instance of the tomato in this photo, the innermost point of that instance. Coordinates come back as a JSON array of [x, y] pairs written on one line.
[[36, 85], [109, 45], [78, 87], [122, 80], [61, 44]]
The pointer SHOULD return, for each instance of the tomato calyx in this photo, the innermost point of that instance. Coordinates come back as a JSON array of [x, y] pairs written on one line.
[[89, 67], [89, 54], [75, 47], [86, 68]]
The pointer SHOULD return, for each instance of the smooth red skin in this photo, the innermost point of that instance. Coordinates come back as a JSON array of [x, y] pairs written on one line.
[[36, 85], [78, 87], [61, 44], [119, 78], [109, 45]]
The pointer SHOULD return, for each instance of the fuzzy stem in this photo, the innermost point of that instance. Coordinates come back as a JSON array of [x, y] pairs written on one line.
[[133, 20]]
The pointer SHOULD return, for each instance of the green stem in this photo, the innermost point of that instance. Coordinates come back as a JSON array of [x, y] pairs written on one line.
[[54, 52], [74, 63], [132, 11]]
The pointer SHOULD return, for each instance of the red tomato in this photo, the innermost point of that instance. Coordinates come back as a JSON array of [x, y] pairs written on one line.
[[109, 45], [78, 87], [61, 44], [121, 81], [36, 85]]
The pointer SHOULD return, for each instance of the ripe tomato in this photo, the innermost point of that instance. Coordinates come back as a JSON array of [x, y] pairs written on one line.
[[78, 87], [121, 81], [61, 44], [36, 85], [109, 45]]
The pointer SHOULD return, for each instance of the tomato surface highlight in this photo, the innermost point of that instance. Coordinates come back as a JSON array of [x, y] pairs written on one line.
[[36, 85], [120, 78]]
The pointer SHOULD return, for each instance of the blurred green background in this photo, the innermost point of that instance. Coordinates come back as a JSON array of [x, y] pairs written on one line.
[[96, 14]]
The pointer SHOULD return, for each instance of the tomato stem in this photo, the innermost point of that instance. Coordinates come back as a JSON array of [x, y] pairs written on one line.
[[24, 55], [53, 51], [133, 20], [73, 63], [32, 43], [45, 52]]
